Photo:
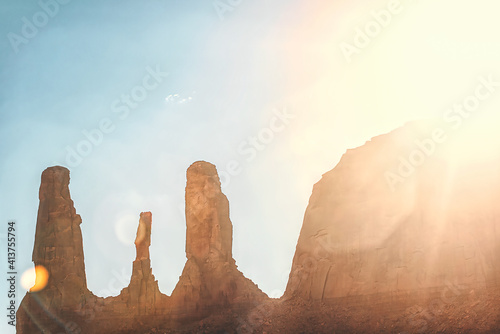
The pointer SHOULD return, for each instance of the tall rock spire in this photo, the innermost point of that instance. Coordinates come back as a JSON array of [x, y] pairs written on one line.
[[58, 239], [143, 238], [210, 277], [59, 248], [142, 296], [209, 231]]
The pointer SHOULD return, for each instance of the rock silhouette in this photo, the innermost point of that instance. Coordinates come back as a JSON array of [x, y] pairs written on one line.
[[365, 234], [142, 296], [58, 247], [143, 238], [397, 238], [210, 279]]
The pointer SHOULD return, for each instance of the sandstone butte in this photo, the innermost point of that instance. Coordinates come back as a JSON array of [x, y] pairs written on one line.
[[374, 255]]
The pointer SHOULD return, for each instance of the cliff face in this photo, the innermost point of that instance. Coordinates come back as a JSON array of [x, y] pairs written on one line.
[[398, 215], [210, 277]]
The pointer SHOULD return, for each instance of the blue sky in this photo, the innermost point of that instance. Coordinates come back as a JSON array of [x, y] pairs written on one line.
[[219, 90], [227, 81]]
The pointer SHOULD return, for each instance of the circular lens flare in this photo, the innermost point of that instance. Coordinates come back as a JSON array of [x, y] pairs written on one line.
[[35, 279]]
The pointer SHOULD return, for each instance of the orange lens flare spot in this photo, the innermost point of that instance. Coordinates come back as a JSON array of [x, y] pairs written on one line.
[[35, 279]]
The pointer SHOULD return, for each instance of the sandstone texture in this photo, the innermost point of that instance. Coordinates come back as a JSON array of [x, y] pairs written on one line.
[[58, 247], [400, 237], [210, 282], [142, 296], [210, 278], [379, 226], [143, 238]]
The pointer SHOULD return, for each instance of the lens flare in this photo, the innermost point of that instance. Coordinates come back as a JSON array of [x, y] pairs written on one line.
[[35, 279]]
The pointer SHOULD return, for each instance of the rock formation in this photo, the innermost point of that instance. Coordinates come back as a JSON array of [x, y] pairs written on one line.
[[397, 216], [142, 296], [210, 277], [58, 247], [143, 237], [399, 237], [209, 283]]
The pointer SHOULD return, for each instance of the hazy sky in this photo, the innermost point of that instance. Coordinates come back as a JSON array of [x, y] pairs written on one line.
[[273, 92]]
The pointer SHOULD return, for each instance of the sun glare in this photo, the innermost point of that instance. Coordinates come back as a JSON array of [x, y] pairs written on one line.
[[35, 279]]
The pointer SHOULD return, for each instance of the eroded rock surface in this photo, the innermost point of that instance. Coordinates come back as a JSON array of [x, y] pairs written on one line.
[[142, 296], [143, 238], [210, 277], [393, 241], [58, 247], [400, 214], [209, 283]]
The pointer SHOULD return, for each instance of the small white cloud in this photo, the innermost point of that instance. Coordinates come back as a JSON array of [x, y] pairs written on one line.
[[177, 99]]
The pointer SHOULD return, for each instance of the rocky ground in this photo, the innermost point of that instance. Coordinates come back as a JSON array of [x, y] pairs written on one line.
[[470, 312]]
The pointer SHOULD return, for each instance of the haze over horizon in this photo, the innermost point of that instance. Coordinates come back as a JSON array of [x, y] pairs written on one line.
[[264, 92]]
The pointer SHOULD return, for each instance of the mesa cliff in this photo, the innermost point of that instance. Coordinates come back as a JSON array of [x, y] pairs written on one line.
[[410, 219]]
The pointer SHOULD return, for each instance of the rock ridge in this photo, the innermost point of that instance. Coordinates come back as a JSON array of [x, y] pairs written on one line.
[[209, 282]]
